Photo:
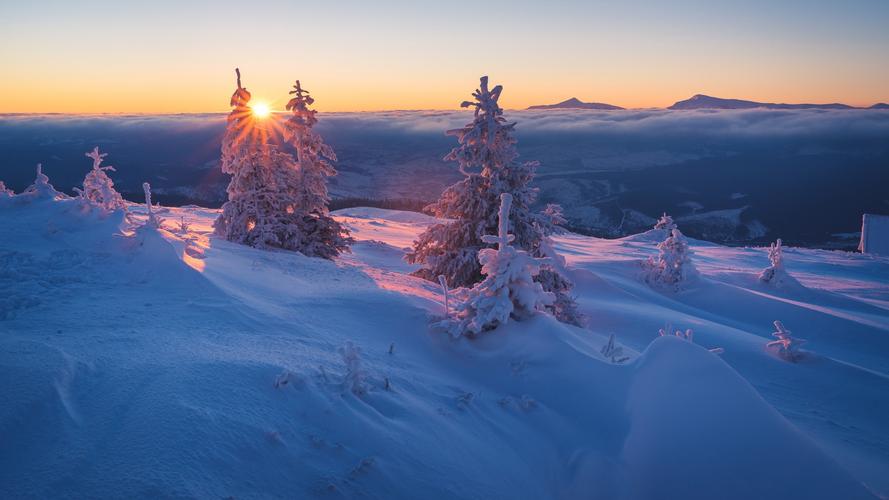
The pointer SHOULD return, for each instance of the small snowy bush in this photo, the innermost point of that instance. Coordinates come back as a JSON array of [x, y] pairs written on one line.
[[775, 274], [355, 379], [98, 189], [673, 267], [508, 290], [787, 345]]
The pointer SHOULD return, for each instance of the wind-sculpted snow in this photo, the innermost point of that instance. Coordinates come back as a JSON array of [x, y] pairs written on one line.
[[162, 362]]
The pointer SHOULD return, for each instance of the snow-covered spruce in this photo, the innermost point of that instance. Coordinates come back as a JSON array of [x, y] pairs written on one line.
[[487, 159], [98, 189], [322, 235], [775, 274], [673, 266], [787, 345], [261, 206], [5, 191], [508, 290]]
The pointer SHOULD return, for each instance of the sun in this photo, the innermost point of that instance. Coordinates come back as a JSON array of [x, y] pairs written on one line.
[[261, 109]]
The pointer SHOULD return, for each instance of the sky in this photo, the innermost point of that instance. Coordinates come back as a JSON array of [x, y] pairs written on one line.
[[169, 56]]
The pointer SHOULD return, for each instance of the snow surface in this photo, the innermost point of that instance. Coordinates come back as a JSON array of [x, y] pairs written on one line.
[[142, 362]]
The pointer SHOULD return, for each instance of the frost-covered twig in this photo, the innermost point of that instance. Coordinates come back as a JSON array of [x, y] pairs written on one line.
[[688, 335], [788, 345], [355, 376], [613, 352]]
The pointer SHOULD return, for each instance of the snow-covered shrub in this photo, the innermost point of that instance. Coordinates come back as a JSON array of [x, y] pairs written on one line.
[[508, 290], [153, 220], [613, 351], [487, 158], [98, 188], [322, 235], [4, 191], [688, 335], [41, 187], [355, 379], [775, 274], [673, 266], [787, 345]]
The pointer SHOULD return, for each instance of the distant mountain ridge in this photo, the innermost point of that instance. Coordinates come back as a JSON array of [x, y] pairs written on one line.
[[575, 103], [701, 101]]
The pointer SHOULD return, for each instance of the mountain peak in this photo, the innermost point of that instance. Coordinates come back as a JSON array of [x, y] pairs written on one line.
[[575, 103]]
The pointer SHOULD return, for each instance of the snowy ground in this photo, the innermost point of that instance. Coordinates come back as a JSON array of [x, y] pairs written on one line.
[[146, 363]]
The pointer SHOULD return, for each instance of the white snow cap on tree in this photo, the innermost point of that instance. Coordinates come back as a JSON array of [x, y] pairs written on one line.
[[673, 267], [775, 274], [4, 191], [486, 156], [666, 223], [355, 378], [508, 290], [41, 187], [787, 345], [98, 188]]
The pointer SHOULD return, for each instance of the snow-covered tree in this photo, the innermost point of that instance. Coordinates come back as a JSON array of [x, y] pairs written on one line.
[[261, 206], [322, 235], [41, 187], [4, 191], [775, 274], [508, 289], [98, 188], [787, 345], [673, 266], [487, 158]]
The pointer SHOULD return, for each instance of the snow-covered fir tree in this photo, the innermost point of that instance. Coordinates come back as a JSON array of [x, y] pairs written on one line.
[[508, 289], [673, 266], [322, 235], [787, 345], [487, 158], [775, 274], [262, 207], [5, 191], [98, 188]]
